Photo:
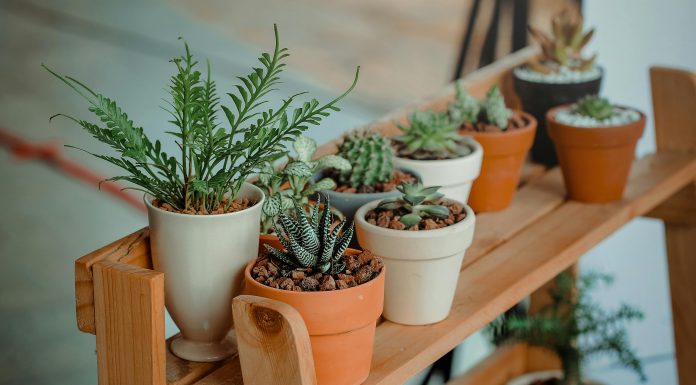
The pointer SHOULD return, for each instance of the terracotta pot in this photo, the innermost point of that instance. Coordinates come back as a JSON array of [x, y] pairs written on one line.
[[595, 161], [531, 378], [341, 323], [203, 259], [503, 155], [538, 98], [423, 266], [454, 175]]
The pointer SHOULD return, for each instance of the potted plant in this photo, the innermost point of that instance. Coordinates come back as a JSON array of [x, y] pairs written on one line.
[[505, 135], [422, 238], [562, 75], [338, 291], [596, 143], [371, 174], [575, 329], [294, 184], [431, 146], [203, 216]]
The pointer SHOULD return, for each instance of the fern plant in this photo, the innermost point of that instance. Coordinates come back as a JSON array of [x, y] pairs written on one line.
[[294, 184], [418, 202], [310, 241], [370, 156], [574, 328], [431, 135], [214, 161]]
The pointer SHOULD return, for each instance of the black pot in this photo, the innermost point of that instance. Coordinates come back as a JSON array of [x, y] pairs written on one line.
[[538, 98]]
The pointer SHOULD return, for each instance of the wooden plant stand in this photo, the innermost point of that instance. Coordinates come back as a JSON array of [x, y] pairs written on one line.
[[515, 252]]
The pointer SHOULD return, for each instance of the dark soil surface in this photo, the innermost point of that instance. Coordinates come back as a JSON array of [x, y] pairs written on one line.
[[360, 268], [390, 218], [516, 122], [237, 205], [398, 177]]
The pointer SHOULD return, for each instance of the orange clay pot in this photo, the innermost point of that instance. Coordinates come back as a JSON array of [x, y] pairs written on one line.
[[341, 323], [595, 161], [503, 155]]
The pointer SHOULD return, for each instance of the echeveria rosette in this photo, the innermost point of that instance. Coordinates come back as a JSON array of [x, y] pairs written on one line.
[[431, 135], [595, 107], [420, 202]]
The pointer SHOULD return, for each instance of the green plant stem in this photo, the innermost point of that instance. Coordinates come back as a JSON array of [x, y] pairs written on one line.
[[570, 364]]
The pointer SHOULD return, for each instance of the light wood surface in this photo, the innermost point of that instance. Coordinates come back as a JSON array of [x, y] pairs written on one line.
[[674, 104], [273, 343], [129, 307]]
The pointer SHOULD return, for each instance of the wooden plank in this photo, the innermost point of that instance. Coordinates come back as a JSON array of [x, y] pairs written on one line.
[[681, 257], [133, 249], [674, 105], [504, 364], [680, 209], [513, 270], [129, 309], [273, 343]]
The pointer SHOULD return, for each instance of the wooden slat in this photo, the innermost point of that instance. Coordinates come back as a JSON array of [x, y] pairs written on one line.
[[129, 308], [674, 107], [515, 269], [680, 209], [133, 249], [273, 343], [504, 364]]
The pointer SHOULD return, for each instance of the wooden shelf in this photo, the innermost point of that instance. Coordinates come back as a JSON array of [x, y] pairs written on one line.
[[514, 253]]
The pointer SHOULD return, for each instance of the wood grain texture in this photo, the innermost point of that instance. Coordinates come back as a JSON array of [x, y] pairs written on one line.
[[133, 249], [521, 265], [182, 372], [129, 308], [504, 364], [674, 105], [273, 343]]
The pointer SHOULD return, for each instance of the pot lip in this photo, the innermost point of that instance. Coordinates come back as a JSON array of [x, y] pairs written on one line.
[[599, 67], [551, 117], [478, 151], [531, 125], [444, 231], [373, 194], [348, 291], [147, 198]]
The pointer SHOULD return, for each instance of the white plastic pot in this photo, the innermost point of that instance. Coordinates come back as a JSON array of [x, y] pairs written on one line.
[[423, 266], [454, 175], [203, 259], [530, 378]]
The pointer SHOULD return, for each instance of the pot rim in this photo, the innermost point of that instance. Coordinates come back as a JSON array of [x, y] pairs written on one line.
[[147, 198], [531, 125], [248, 278], [551, 116], [447, 162], [599, 67], [376, 194], [443, 231]]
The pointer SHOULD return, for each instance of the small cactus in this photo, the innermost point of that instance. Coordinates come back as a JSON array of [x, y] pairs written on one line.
[[418, 201], [465, 108], [432, 135], [370, 156], [492, 110], [494, 107], [595, 107], [310, 242], [564, 49]]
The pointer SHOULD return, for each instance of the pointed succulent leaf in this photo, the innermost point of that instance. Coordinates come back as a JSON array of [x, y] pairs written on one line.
[[281, 256], [344, 240], [308, 236], [303, 256], [433, 210], [410, 219]]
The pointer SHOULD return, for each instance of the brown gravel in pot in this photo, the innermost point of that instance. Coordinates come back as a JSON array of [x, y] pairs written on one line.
[[398, 177], [390, 218], [237, 205]]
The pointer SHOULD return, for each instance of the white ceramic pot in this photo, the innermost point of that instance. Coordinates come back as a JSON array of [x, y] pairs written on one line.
[[454, 175], [203, 259], [423, 266], [530, 378]]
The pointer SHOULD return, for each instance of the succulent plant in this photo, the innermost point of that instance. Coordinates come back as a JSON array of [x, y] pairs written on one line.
[[468, 110], [432, 135], [595, 107], [293, 185], [418, 201], [370, 156], [310, 242], [564, 48], [465, 108]]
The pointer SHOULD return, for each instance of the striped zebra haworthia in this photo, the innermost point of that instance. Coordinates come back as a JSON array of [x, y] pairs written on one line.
[[310, 242]]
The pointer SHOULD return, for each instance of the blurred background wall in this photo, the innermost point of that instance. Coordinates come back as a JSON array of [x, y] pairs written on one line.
[[407, 50]]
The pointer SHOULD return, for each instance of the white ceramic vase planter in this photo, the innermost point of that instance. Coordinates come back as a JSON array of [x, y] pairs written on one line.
[[423, 266], [203, 259], [530, 378], [454, 175]]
